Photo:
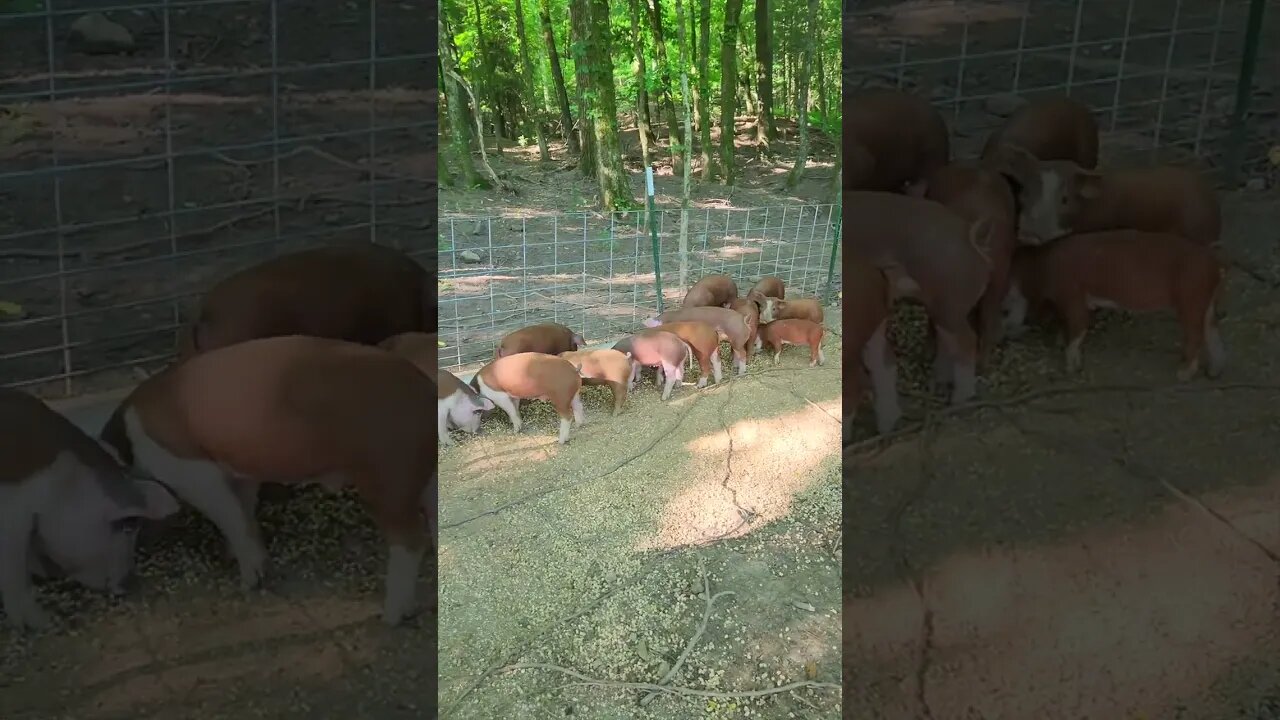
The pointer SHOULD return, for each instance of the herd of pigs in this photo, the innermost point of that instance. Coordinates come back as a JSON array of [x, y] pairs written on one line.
[[313, 367], [547, 361], [1030, 228]]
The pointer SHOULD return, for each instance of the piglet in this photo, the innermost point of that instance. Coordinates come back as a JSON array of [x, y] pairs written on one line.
[[892, 139], [770, 286], [548, 338], [774, 309], [1058, 197], [1130, 270], [604, 367], [361, 293], [869, 307], [657, 349], [703, 342], [731, 327], [711, 291], [794, 332], [291, 410], [534, 376], [458, 405], [1051, 128], [65, 503], [931, 253], [749, 308]]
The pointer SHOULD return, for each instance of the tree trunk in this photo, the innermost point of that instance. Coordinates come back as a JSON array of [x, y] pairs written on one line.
[[668, 102], [529, 90], [704, 87], [486, 82], [615, 191], [458, 139], [729, 86], [802, 97], [688, 143], [580, 27], [642, 96], [557, 74], [766, 132]]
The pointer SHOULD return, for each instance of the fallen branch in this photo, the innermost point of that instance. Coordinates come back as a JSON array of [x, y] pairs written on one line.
[[702, 627], [674, 690]]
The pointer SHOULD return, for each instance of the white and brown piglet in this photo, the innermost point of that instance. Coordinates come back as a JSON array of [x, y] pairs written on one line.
[[869, 307], [658, 349], [362, 293], [547, 338], [731, 327], [1130, 270], [930, 253], [604, 367], [794, 332], [703, 342], [533, 376], [711, 291], [774, 309], [66, 505], [1058, 198], [458, 405], [291, 410]]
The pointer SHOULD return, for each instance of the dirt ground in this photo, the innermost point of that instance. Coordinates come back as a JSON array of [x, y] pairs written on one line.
[[138, 243], [545, 255], [1105, 546], [571, 574]]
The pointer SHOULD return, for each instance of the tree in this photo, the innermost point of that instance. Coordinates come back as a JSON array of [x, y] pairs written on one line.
[[557, 76], [704, 86], [688, 143], [459, 137], [527, 74], [579, 25], [766, 131], [802, 101], [595, 65], [486, 80], [728, 86], [642, 93], [660, 49]]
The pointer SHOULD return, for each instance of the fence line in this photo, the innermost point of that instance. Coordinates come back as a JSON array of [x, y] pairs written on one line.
[[596, 271]]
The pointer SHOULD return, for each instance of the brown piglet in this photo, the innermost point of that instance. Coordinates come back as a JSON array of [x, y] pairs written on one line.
[[769, 286], [1052, 128], [1058, 197], [604, 367], [703, 341], [976, 193], [869, 308], [547, 338], [774, 309], [892, 139], [533, 376], [731, 327], [291, 410], [928, 252], [794, 332], [749, 308], [711, 291], [658, 349], [361, 293], [1130, 270]]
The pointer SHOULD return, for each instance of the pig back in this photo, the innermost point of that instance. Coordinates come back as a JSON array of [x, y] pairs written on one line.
[[727, 322], [605, 364], [361, 293], [1056, 128], [697, 334], [712, 290], [548, 338], [974, 193], [893, 138], [654, 347], [419, 348], [922, 236], [770, 286], [533, 375]]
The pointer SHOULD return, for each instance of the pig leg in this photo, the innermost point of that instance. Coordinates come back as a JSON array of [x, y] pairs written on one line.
[[991, 320], [206, 487], [505, 402], [395, 499], [1015, 312], [17, 526], [815, 353], [715, 364], [1075, 314], [740, 359], [961, 345], [673, 376], [442, 424], [942, 365], [619, 396], [878, 357], [1215, 351]]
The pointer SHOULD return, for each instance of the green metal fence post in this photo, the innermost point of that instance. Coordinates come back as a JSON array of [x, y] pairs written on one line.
[[653, 234], [1244, 91], [835, 249]]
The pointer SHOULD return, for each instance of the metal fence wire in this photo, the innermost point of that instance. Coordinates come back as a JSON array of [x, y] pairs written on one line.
[[147, 149], [1170, 80], [595, 272]]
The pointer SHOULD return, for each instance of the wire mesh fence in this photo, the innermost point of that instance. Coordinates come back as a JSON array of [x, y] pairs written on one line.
[[596, 272], [147, 149], [1162, 75]]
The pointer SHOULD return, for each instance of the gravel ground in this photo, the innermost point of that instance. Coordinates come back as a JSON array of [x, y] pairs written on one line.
[[594, 557]]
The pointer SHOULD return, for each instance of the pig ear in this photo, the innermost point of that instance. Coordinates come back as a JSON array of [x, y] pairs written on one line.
[[1014, 162], [157, 502], [486, 403]]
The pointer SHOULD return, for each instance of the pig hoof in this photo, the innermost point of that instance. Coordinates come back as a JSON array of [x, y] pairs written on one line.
[[702, 382], [1186, 374], [397, 617], [29, 616]]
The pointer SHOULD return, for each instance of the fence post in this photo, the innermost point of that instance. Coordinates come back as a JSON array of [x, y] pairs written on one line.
[[1244, 91], [653, 234], [835, 248]]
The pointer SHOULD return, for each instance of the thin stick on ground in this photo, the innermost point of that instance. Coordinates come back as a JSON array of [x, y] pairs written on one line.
[[674, 689], [702, 627]]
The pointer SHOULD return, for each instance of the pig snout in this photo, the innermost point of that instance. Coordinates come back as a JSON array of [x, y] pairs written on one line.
[[652, 322], [578, 343], [767, 312]]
